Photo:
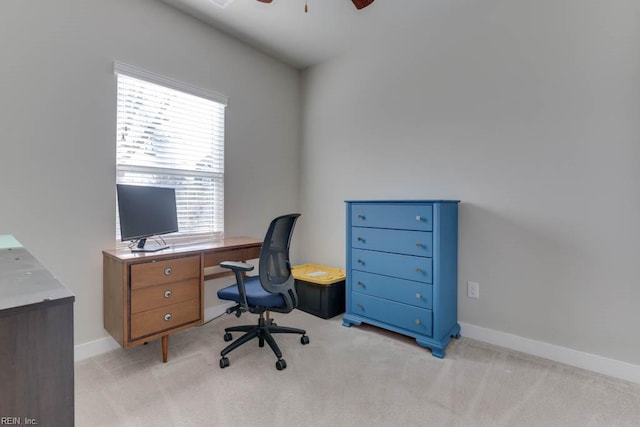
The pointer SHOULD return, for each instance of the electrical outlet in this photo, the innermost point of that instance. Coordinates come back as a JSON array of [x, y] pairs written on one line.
[[473, 290]]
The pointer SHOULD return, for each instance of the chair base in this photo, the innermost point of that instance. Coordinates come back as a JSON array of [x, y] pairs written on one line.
[[263, 331]]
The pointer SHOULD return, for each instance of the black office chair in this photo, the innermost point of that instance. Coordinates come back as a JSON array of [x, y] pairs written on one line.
[[272, 290]]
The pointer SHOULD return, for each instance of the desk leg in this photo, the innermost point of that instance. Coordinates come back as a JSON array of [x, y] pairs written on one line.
[[165, 348]]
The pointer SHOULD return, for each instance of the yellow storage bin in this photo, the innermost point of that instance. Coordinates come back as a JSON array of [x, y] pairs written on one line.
[[318, 274], [320, 289]]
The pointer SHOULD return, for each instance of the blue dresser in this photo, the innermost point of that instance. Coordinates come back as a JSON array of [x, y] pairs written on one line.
[[402, 268]]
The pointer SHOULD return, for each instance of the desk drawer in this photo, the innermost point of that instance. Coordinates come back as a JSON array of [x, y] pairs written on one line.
[[161, 319], [403, 266], [402, 217], [166, 271], [150, 297], [214, 257], [400, 290], [415, 319], [416, 243]]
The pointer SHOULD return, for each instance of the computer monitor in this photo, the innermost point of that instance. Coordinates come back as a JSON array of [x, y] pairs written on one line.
[[145, 212]]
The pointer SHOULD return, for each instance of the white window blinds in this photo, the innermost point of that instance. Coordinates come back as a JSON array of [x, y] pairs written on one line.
[[170, 134]]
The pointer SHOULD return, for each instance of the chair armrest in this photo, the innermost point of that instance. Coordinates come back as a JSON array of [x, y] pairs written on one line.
[[239, 269], [235, 265]]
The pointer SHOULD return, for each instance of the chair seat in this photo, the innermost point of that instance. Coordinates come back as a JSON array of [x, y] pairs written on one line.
[[257, 296]]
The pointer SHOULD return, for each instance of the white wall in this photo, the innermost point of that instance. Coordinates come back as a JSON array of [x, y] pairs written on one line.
[[57, 116], [527, 111]]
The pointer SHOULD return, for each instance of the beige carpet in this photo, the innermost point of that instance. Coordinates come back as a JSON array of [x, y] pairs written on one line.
[[358, 376]]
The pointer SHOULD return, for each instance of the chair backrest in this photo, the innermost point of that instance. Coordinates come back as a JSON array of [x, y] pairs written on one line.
[[274, 266]]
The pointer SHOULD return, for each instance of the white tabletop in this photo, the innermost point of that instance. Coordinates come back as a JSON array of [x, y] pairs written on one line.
[[23, 280], [8, 241]]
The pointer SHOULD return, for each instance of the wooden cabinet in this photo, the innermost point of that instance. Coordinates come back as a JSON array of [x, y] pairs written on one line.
[[152, 297], [402, 268], [36, 332], [147, 296]]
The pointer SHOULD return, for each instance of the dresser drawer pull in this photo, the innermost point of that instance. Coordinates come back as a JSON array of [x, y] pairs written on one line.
[[418, 218], [360, 216], [167, 317], [360, 283], [168, 271], [360, 239], [418, 270], [167, 293], [418, 321], [360, 306], [419, 296], [419, 245], [360, 261]]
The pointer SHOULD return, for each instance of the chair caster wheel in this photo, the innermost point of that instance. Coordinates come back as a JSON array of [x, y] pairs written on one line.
[[228, 336], [260, 342], [224, 362], [281, 364], [304, 340]]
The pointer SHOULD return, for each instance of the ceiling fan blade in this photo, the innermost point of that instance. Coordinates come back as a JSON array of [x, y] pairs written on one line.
[[360, 4]]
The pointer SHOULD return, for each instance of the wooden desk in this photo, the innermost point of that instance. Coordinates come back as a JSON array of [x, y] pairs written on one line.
[[147, 296]]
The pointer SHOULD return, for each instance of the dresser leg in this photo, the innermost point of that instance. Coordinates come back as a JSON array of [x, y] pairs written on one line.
[[165, 348], [437, 352]]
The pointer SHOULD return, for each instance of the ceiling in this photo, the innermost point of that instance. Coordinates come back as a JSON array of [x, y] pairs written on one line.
[[283, 29]]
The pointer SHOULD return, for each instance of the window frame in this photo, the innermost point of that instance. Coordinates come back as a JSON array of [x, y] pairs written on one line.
[[217, 203]]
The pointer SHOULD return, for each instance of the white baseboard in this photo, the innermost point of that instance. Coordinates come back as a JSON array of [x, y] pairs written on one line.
[[216, 310], [603, 365], [94, 348], [103, 345]]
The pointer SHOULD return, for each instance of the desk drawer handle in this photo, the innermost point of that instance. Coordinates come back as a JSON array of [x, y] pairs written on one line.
[[419, 245], [417, 321], [168, 271], [167, 293], [360, 306], [167, 317], [360, 283], [418, 270], [418, 296], [360, 216], [360, 261], [360, 239], [418, 218]]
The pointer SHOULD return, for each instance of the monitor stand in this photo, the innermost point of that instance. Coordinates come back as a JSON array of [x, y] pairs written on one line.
[[152, 247]]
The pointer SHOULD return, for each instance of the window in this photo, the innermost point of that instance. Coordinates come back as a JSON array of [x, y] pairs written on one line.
[[170, 134]]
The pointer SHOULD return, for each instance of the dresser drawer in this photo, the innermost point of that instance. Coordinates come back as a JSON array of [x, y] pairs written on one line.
[[415, 319], [400, 290], [403, 266], [418, 243], [149, 297], [166, 271], [163, 318], [403, 217]]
